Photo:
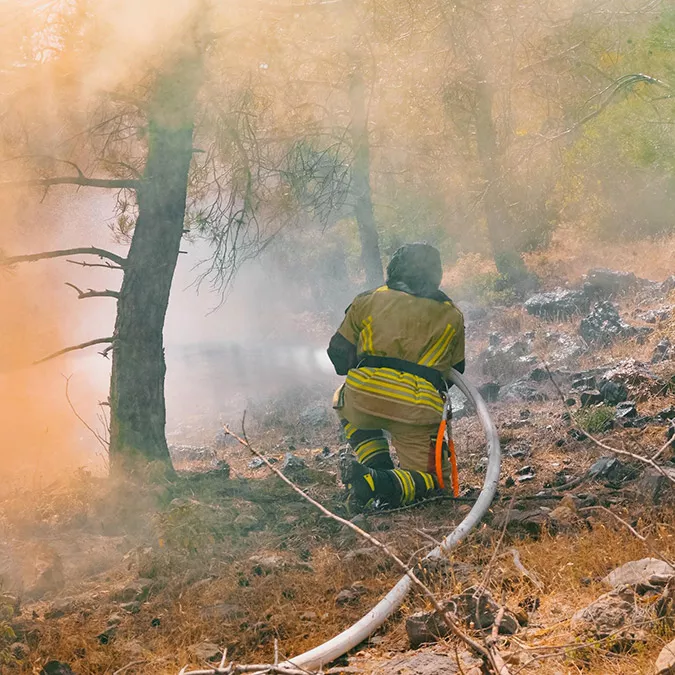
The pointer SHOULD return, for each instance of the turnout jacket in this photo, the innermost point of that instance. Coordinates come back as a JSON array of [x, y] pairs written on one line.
[[425, 335]]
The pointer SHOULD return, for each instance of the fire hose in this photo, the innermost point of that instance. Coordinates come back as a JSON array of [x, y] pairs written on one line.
[[368, 624]]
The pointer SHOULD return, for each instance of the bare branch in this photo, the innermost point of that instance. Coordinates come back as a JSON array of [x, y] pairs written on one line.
[[90, 293], [490, 654], [104, 265], [93, 431], [82, 181], [6, 261], [74, 348]]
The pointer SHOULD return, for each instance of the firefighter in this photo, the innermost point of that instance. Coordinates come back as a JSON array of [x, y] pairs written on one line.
[[396, 345]]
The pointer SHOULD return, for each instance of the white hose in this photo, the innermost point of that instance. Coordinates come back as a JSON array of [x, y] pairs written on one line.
[[367, 625]]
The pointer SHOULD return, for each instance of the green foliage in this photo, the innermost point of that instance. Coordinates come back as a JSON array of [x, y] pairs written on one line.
[[7, 635], [595, 420]]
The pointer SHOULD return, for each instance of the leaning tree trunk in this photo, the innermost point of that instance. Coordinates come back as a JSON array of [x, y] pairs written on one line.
[[363, 203], [138, 412]]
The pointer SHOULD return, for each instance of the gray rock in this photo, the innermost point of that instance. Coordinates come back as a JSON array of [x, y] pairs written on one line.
[[665, 663], [653, 487], [607, 468], [427, 663], [557, 304], [634, 378], [656, 315], [205, 651], [608, 615], [563, 347], [267, 563], [590, 398], [625, 410], [662, 351], [531, 522], [316, 415], [604, 282], [489, 391], [347, 596], [476, 607], [668, 285], [604, 325], [294, 468], [640, 572], [191, 453], [425, 628], [522, 390]]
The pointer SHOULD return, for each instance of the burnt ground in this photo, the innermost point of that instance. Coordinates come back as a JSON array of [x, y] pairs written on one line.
[[112, 577]]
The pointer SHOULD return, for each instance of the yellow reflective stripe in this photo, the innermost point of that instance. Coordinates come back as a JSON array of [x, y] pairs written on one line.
[[369, 448], [407, 484], [400, 397], [436, 351], [381, 288], [392, 390], [369, 479], [421, 387], [367, 333], [350, 430], [428, 480]]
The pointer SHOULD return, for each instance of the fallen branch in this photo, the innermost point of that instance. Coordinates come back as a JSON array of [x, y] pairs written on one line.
[[74, 348], [490, 655], [90, 293], [6, 261]]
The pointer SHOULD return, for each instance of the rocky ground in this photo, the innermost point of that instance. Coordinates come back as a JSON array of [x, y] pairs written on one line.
[[102, 577]]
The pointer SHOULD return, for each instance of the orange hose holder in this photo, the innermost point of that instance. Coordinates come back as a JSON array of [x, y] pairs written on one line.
[[442, 432]]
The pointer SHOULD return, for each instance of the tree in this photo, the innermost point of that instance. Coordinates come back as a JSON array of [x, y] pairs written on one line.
[[143, 137]]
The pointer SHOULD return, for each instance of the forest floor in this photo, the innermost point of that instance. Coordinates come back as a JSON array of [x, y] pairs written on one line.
[[114, 577]]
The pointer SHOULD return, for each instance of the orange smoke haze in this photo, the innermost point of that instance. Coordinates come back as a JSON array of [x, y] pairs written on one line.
[[39, 434]]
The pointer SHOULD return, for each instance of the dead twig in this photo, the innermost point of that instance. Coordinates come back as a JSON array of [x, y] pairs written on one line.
[[6, 261], [93, 431], [90, 293], [632, 530], [490, 655]]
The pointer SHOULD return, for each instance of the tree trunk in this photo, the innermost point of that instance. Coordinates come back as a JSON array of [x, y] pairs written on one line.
[[498, 219], [363, 203], [138, 412]]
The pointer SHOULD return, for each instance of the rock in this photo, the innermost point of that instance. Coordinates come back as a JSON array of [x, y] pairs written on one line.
[[653, 486], [108, 635], [205, 651], [603, 282], [668, 285], [524, 470], [507, 358], [133, 607], [665, 663], [532, 521], [350, 595], [558, 304], [267, 563], [563, 347], [56, 668], [427, 663], [59, 608], [135, 591], [425, 628], [246, 522], [477, 608], [608, 615], [666, 414], [607, 468], [489, 391], [662, 351], [522, 390], [316, 415], [565, 518], [190, 453], [625, 410], [604, 325], [647, 571], [656, 315], [612, 392], [294, 468]]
